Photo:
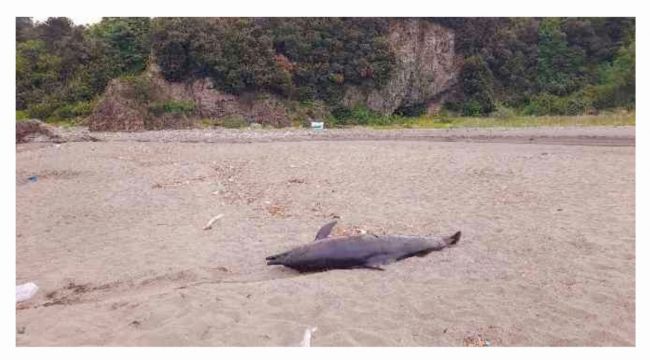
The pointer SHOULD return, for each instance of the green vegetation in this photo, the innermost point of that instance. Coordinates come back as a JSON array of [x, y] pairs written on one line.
[[158, 108], [359, 115], [140, 89], [512, 66], [21, 115], [547, 66], [622, 118], [298, 58], [61, 68], [501, 117], [476, 81], [233, 122]]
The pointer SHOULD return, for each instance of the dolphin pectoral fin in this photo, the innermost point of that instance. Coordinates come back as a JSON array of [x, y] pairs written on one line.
[[424, 253], [374, 268], [376, 261], [325, 231]]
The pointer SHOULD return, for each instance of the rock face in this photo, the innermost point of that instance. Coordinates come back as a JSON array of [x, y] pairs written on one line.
[[426, 68], [425, 74]]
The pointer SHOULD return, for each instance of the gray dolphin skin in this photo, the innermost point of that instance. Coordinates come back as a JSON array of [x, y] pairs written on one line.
[[358, 251]]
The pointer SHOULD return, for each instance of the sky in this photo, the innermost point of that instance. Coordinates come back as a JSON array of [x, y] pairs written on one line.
[[78, 20]]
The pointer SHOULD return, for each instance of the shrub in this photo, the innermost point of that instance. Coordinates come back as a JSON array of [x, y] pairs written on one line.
[[358, 115], [383, 120], [472, 108], [42, 110], [71, 111], [142, 90], [503, 112], [477, 84], [21, 115], [411, 110], [233, 122]]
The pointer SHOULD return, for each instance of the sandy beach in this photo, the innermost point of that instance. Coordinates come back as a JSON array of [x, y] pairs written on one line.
[[113, 234]]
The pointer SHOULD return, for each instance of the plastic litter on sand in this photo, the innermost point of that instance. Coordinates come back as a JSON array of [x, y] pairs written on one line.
[[25, 291]]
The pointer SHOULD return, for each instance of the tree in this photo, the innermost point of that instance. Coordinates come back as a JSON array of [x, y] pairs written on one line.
[[24, 29], [126, 41], [559, 67], [476, 81]]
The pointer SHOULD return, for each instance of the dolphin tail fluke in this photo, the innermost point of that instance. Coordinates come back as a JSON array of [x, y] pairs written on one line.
[[452, 240]]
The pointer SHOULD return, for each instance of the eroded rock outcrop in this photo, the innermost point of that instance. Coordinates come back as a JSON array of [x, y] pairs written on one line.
[[426, 68], [34, 130], [124, 105], [118, 109]]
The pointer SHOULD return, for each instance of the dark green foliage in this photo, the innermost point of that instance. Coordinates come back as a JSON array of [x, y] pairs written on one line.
[[559, 68], [236, 53], [534, 62], [59, 64], [476, 81], [359, 115], [141, 89], [617, 82], [298, 58], [326, 53], [526, 65], [126, 41], [71, 111], [411, 110]]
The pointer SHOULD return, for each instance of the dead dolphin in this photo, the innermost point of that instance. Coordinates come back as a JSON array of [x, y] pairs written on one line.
[[358, 251]]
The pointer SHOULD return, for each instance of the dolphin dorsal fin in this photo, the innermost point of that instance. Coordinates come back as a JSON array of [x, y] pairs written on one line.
[[325, 231]]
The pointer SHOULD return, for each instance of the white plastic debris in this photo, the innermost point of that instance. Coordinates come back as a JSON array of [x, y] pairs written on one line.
[[25, 291], [208, 226], [306, 339], [317, 125]]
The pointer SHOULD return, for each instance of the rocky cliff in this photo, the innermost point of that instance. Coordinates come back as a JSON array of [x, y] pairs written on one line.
[[426, 70]]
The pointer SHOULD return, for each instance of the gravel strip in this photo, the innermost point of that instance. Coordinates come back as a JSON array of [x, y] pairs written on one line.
[[597, 136]]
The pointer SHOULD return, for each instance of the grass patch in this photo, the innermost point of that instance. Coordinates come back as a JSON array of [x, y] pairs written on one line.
[[158, 108], [501, 117], [65, 123], [442, 122], [229, 122], [21, 115]]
